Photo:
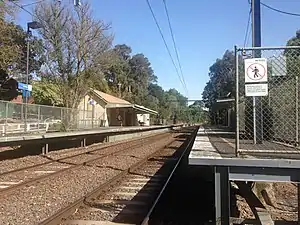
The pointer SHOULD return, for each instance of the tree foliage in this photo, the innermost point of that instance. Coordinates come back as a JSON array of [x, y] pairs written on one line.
[[46, 93], [13, 51], [74, 52], [74, 43], [10, 48], [221, 81]]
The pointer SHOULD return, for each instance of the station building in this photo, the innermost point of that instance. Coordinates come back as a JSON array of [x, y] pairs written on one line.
[[107, 110]]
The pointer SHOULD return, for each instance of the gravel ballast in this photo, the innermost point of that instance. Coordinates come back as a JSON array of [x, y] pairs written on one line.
[[111, 211], [30, 160], [26, 174], [34, 203]]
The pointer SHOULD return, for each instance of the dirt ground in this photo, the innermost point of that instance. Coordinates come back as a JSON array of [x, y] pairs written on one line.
[[283, 198]]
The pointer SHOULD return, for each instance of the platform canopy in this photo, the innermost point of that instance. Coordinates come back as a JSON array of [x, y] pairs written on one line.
[[143, 109], [138, 108]]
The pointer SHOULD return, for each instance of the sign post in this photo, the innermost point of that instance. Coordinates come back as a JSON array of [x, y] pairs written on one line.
[[26, 89], [256, 78]]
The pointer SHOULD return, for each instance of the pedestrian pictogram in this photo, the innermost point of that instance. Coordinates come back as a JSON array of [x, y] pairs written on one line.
[[256, 70]]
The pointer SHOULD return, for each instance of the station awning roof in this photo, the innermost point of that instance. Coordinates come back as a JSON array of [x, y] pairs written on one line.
[[144, 109], [139, 108]]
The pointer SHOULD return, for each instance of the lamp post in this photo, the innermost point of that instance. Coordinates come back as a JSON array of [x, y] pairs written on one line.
[[31, 25]]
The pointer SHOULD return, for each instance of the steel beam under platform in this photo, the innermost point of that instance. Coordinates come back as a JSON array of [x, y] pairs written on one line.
[[222, 196], [252, 169], [225, 174]]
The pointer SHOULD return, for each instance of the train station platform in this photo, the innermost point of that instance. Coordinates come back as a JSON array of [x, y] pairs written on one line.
[[216, 148], [219, 143], [99, 131], [84, 137]]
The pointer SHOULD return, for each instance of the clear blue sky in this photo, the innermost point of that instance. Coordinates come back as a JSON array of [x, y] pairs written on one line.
[[203, 29]]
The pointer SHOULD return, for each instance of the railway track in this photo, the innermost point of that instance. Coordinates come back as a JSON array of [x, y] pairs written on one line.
[[37, 200], [18, 178], [130, 197]]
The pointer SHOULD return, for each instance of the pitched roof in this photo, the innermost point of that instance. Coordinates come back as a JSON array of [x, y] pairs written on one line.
[[109, 99], [115, 102]]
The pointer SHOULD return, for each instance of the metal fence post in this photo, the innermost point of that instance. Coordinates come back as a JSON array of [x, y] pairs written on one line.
[[254, 119], [297, 111], [93, 115], [84, 118], [237, 129], [39, 115], [26, 116], [61, 115], [6, 115], [22, 114]]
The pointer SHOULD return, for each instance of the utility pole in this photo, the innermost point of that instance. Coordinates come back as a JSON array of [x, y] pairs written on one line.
[[256, 42]]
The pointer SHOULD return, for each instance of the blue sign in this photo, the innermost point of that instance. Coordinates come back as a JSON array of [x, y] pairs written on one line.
[[24, 87]]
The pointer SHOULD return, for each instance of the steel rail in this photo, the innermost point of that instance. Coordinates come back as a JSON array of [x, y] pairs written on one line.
[[79, 154], [65, 212], [9, 189], [191, 141]]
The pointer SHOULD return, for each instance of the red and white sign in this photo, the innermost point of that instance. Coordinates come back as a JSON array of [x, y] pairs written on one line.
[[256, 70]]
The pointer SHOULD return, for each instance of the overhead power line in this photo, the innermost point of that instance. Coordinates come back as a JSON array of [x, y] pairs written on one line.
[[247, 29], [33, 3], [175, 46], [76, 3], [280, 11], [22, 7], [164, 40]]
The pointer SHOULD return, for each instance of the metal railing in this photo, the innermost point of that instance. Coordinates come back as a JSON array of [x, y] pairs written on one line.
[[42, 119]]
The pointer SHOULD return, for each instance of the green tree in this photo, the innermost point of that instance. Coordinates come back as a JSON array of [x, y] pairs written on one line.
[[221, 81], [119, 70], [140, 78], [75, 45], [46, 93], [10, 49]]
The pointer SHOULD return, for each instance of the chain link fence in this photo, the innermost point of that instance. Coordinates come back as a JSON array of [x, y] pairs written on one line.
[[267, 99], [18, 118]]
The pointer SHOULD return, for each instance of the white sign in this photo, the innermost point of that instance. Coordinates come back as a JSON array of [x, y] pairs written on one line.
[[256, 90], [256, 70]]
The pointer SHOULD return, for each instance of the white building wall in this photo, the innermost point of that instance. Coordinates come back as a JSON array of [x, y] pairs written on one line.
[[86, 112], [144, 118]]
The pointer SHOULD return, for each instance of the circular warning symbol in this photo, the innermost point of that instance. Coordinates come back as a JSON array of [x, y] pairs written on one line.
[[256, 72]]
